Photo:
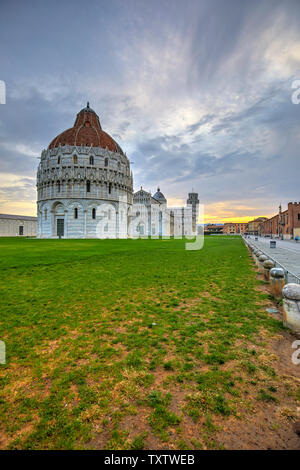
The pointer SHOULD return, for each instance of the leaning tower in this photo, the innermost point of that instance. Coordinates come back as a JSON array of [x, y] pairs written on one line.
[[193, 202]]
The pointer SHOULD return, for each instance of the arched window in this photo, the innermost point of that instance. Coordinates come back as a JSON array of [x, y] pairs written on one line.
[[88, 186], [75, 213], [109, 188], [58, 187], [75, 159], [106, 162], [94, 213], [58, 160], [91, 160]]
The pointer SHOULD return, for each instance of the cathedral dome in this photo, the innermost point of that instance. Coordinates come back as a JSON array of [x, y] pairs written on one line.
[[87, 132], [159, 196]]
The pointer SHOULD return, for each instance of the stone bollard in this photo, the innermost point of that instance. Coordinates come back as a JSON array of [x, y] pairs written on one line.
[[267, 265], [256, 255], [291, 307], [277, 281], [261, 260]]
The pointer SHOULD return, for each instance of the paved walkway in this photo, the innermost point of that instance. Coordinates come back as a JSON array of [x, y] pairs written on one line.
[[286, 253]]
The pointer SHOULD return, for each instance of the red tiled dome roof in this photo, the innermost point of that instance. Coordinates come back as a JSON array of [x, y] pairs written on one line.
[[87, 131]]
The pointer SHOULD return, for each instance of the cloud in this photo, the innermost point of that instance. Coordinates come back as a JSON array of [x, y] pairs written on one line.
[[197, 93]]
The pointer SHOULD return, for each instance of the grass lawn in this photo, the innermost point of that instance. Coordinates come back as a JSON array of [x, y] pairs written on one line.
[[122, 344]]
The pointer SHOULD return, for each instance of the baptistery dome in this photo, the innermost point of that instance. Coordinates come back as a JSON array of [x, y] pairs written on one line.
[[87, 131], [84, 183]]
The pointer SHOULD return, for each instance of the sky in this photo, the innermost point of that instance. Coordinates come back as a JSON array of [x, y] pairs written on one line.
[[196, 92]]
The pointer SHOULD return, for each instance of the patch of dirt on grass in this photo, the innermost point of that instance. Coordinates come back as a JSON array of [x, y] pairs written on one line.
[[4, 440], [188, 303], [177, 403], [136, 424], [262, 288], [75, 399], [282, 347], [264, 430], [101, 436], [161, 375], [49, 348]]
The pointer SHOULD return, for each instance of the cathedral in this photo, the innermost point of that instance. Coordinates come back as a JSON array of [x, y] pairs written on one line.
[[85, 190]]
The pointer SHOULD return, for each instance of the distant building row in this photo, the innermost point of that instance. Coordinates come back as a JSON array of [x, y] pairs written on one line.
[[285, 224], [229, 228]]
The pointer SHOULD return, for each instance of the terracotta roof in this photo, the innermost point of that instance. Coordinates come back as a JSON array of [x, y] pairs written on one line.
[[258, 219], [17, 217], [87, 131]]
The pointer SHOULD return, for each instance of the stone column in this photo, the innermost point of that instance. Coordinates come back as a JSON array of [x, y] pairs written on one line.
[[40, 224], [117, 229], [267, 265], [291, 307], [277, 281], [84, 228], [53, 231], [66, 224]]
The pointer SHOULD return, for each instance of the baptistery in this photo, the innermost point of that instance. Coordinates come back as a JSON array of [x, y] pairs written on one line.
[[84, 183]]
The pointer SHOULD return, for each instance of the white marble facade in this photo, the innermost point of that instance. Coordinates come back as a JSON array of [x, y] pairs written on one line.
[[83, 192], [154, 217]]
